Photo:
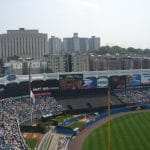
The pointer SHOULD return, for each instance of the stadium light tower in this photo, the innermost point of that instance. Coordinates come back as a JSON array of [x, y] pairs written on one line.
[[108, 57], [142, 65], [28, 59], [130, 65], [45, 63], [117, 55]]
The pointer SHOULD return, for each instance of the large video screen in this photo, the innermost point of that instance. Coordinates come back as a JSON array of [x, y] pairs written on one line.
[[71, 81], [102, 82], [117, 82], [89, 83], [145, 79]]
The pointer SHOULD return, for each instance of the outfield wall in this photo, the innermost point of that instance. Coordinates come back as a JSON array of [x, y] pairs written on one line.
[[112, 112]]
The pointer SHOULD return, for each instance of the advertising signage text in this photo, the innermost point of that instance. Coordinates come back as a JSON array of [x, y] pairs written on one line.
[[145, 79], [102, 82]]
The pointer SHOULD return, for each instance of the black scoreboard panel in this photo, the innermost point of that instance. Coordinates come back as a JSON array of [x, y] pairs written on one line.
[[23, 88], [51, 84], [37, 85], [12, 89], [2, 90]]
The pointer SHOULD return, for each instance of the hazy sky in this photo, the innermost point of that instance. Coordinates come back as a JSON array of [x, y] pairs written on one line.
[[117, 22]]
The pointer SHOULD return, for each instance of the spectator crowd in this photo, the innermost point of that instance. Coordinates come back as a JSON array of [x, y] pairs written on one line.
[[140, 96], [13, 112], [62, 142]]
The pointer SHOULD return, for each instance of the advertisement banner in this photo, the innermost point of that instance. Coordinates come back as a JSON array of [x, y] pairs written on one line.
[[145, 79], [7, 71], [128, 81], [89, 83], [117, 82], [37, 85], [136, 80], [102, 82], [50, 84], [71, 81]]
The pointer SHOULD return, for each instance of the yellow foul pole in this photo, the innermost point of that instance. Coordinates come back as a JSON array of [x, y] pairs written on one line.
[[108, 130]]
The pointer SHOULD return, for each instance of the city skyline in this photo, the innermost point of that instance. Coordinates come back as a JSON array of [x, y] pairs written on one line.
[[117, 22]]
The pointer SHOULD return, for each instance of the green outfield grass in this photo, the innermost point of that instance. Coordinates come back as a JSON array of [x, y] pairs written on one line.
[[129, 132], [62, 118], [77, 124], [31, 143]]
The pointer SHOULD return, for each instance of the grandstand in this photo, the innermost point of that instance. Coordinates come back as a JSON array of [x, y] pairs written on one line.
[[88, 102], [10, 135], [136, 96], [71, 94], [14, 112]]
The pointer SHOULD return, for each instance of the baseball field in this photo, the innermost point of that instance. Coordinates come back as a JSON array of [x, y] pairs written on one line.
[[128, 132]]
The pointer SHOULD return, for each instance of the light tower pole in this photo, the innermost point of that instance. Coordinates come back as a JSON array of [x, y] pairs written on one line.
[[29, 72]]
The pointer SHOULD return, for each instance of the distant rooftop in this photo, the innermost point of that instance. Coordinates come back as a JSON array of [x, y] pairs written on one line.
[[22, 30]]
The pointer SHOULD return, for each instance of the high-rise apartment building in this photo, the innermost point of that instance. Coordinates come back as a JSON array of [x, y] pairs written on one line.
[[80, 45], [68, 45], [76, 42], [71, 45], [94, 43], [84, 45], [23, 43], [55, 45]]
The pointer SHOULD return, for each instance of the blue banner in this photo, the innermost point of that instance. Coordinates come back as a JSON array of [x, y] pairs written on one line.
[[89, 83]]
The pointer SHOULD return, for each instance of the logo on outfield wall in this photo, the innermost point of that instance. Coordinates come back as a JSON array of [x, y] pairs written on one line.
[[102, 82], [11, 77]]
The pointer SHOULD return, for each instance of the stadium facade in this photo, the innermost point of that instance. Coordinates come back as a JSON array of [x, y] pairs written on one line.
[[61, 83]]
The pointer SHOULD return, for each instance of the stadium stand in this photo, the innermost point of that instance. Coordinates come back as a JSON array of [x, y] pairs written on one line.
[[62, 142], [10, 135], [13, 112], [139, 96], [88, 101]]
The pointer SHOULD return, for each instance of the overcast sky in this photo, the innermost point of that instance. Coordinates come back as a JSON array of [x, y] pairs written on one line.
[[117, 22]]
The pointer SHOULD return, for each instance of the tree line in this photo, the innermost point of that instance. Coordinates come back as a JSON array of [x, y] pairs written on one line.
[[113, 50]]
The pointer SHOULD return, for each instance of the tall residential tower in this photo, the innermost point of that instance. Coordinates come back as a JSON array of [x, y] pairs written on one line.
[[23, 43]]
